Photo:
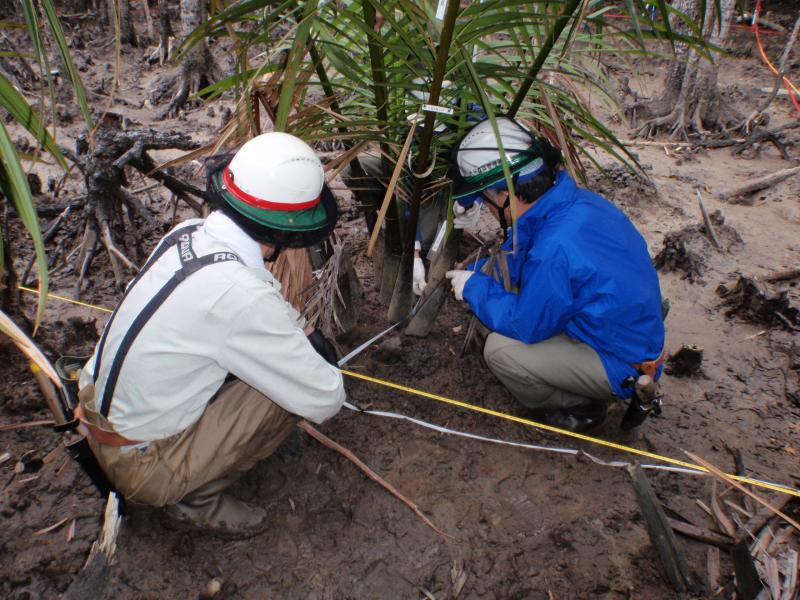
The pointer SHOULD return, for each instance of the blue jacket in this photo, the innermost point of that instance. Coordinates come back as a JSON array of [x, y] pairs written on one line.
[[582, 269]]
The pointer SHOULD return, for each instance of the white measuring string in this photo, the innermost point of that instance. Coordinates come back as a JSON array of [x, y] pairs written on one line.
[[552, 449]]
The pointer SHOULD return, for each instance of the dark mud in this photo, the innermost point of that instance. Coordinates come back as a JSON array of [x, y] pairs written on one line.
[[524, 523]]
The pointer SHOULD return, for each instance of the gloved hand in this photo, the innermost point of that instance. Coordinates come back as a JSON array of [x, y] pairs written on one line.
[[458, 279], [466, 218], [323, 347], [419, 282]]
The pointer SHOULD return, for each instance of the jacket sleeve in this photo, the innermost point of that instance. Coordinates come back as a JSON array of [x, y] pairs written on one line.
[[266, 349], [540, 310]]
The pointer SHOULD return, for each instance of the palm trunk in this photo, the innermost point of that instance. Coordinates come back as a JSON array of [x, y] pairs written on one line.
[[127, 34], [387, 265], [400, 306]]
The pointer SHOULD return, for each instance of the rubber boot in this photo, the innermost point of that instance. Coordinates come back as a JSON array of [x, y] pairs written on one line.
[[219, 514], [578, 418]]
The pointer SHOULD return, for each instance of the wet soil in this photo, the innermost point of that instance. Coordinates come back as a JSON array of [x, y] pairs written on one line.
[[524, 523]]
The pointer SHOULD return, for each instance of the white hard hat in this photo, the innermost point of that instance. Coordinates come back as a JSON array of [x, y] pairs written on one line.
[[478, 152], [478, 156], [274, 187], [277, 171]]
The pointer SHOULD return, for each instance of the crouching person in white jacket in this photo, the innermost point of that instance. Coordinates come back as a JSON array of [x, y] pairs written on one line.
[[204, 369]]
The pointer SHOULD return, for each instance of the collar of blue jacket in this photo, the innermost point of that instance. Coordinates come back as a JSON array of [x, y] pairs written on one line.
[[581, 268]]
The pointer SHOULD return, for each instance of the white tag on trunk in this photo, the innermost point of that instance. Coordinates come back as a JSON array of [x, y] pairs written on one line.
[[440, 9], [437, 241], [437, 109]]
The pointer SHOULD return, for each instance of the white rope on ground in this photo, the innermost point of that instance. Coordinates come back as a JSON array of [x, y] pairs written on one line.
[[553, 449]]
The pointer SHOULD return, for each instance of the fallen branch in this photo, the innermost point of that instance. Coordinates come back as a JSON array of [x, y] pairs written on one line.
[[26, 425], [326, 441], [701, 535], [760, 183], [785, 275]]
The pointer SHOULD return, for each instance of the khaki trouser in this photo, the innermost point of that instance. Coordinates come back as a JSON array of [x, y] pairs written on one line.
[[558, 373], [239, 427]]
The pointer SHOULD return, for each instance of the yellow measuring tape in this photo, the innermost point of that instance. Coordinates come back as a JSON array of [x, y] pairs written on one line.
[[65, 299], [515, 419], [566, 432]]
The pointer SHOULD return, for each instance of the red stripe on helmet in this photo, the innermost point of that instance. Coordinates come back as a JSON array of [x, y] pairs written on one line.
[[239, 193]]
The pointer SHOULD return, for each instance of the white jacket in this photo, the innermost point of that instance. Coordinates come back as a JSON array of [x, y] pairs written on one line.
[[226, 318]]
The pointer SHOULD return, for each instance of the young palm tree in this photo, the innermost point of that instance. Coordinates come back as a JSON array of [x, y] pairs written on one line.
[[13, 180], [346, 71]]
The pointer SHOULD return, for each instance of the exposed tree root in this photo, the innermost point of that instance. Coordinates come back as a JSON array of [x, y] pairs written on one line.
[[198, 70], [104, 173]]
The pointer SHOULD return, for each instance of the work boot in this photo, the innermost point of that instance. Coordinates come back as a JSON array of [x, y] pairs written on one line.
[[579, 418], [208, 509]]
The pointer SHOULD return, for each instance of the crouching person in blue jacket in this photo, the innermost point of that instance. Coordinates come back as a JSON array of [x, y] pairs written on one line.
[[582, 320]]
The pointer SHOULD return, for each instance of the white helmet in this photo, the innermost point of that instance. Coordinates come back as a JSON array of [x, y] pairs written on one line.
[[274, 187], [276, 170], [478, 157]]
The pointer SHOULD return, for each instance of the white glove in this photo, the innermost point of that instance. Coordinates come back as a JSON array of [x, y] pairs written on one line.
[[458, 279], [466, 218], [419, 282]]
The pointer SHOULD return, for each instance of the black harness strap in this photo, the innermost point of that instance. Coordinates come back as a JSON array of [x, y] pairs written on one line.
[[190, 264], [165, 244]]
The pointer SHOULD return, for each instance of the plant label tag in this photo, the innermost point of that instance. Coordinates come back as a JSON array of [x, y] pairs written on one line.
[[437, 109], [440, 8], [437, 241]]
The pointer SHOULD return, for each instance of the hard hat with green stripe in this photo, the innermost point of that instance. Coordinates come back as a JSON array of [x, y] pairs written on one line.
[[479, 166], [274, 188]]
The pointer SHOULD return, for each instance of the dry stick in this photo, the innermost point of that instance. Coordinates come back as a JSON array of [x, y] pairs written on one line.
[[759, 184], [727, 480], [712, 562], [326, 441], [26, 425], [700, 534], [707, 222], [790, 584]]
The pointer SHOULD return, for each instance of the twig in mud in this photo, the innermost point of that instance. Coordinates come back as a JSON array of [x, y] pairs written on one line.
[[326, 441], [707, 222], [755, 335], [728, 481], [26, 425]]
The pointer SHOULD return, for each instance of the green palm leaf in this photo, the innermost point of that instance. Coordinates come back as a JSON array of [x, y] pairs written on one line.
[[14, 184]]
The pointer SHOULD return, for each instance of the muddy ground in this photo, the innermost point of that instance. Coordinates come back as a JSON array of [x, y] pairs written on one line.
[[524, 523]]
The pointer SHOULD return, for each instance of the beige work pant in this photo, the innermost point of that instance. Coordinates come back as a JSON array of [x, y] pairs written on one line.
[[239, 427], [557, 373]]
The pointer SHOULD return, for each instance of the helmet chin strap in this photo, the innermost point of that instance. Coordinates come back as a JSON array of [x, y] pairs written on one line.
[[275, 254], [501, 212]]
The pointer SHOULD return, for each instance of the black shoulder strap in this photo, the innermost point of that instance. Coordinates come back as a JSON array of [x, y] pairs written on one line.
[[162, 247], [190, 264]]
